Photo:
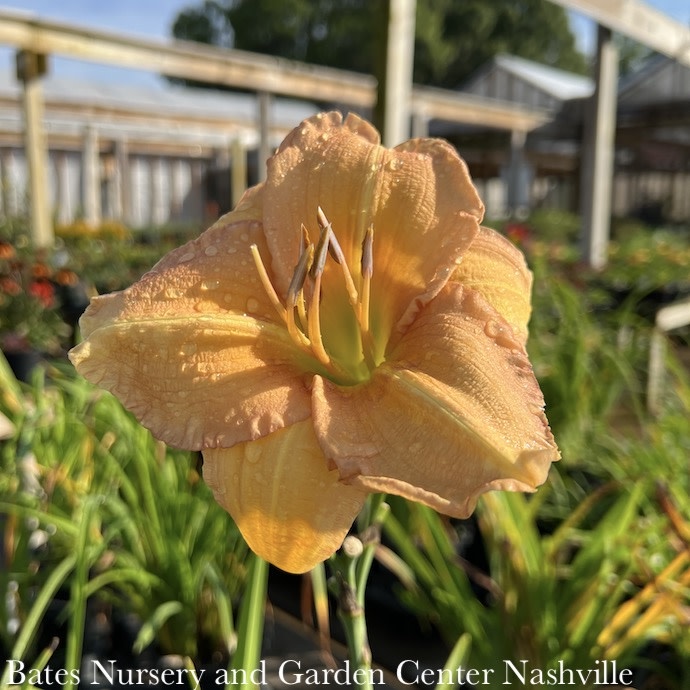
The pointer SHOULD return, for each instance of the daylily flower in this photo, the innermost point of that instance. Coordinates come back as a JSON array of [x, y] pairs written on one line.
[[349, 328]]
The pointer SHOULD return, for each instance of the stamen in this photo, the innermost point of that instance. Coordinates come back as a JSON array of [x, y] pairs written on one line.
[[295, 296], [301, 300], [368, 253], [334, 248], [336, 252], [300, 274], [367, 273], [321, 253], [314, 313], [305, 238], [266, 281]]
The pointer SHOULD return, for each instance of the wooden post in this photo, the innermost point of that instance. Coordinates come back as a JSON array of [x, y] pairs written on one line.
[[124, 182], [238, 161], [597, 154], [264, 133], [676, 315], [30, 68], [393, 105], [91, 177], [518, 192]]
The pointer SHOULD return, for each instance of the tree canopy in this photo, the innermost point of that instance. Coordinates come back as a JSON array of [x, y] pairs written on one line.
[[452, 38]]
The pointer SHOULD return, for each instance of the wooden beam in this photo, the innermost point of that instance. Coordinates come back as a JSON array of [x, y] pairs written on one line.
[[639, 21], [475, 110], [188, 60], [250, 71]]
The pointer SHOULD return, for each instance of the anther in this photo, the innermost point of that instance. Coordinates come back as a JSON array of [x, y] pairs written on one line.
[[333, 245], [300, 274], [335, 250], [295, 296], [367, 273], [368, 254], [321, 254]]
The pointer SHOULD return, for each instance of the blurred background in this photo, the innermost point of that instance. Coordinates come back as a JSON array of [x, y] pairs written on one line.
[[126, 129]]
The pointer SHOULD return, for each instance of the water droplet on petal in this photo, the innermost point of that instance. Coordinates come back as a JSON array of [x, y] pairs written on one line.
[[211, 251], [395, 164], [187, 257], [210, 284], [252, 304], [493, 329]]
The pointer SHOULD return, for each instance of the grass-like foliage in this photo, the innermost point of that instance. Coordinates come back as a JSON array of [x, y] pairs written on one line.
[[94, 508], [595, 566]]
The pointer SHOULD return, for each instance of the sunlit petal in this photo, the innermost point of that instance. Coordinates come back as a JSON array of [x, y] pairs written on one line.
[[496, 267], [195, 349], [456, 412], [292, 510], [418, 198]]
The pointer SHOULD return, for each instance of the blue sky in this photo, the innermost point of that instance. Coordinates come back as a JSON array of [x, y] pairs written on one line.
[[154, 18]]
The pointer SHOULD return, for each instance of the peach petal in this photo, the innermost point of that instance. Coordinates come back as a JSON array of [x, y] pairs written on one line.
[[195, 349], [456, 412], [495, 267], [418, 198], [291, 509]]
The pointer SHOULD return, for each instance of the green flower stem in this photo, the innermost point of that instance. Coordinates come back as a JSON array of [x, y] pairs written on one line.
[[251, 622], [351, 567]]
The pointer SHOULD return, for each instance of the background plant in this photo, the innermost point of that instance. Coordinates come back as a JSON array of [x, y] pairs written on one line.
[[85, 491]]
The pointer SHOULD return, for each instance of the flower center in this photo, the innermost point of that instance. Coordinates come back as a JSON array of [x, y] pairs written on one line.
[[302, 309]]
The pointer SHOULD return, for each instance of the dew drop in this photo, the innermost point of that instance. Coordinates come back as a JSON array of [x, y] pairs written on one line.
[[187, 257], [210, 284], [188, 349], [211, 251], [244, 237], [394, 164], [493, 329], [232, 250], [252, 304]]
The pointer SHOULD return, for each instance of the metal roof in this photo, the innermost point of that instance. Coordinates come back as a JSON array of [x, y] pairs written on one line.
[[558, 83]]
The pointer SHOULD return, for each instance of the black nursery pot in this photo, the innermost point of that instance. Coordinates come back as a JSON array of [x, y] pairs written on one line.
[[23, 362]]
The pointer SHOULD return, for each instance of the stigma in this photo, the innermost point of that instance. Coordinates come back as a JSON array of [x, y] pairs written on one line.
[[301, 311]]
